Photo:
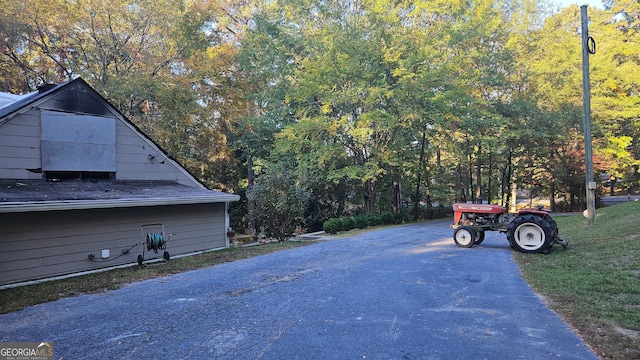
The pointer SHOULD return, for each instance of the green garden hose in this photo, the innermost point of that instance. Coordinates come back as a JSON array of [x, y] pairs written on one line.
[[155, 241]]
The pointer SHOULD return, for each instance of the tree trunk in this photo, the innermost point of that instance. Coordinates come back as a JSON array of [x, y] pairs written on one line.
[[251, 216], [369, 196], [463, 196], [397, 196], [489, 176], [503, 183], [506, 180], [473, 200], [512, 204], [428, 200], [416, 198], [479, 175], [552, 195]]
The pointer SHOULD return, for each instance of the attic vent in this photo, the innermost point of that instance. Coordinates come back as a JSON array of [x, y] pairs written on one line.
[[78, 143]]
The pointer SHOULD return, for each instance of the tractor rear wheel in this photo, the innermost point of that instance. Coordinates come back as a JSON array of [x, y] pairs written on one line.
[[465, 236], [530, 234], [554, 225]]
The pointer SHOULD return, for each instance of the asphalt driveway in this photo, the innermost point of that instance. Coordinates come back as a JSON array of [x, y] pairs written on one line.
[[405, 292]]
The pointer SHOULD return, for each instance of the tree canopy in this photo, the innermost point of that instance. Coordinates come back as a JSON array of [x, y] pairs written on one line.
[[351, 106]]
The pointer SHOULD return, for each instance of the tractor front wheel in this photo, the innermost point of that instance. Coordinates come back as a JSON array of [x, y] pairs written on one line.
[[464, 236], [530, 234]]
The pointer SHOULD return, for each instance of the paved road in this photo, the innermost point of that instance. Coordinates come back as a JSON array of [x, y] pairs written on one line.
[[401, 293], [612, 200]]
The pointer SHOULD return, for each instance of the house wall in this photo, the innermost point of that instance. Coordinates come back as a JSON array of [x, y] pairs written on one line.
[[45, 244], [138, 159]]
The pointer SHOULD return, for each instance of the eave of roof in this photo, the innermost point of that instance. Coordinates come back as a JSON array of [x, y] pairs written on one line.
[[40, 195], [106, 204]]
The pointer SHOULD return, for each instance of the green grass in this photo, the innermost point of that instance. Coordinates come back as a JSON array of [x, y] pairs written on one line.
[[595, 283], [17, 298]]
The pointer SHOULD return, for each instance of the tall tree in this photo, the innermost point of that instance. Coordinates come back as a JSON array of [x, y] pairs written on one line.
[[616, 88], [346, 84], [165, 65]]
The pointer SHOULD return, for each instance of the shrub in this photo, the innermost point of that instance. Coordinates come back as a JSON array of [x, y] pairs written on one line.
[[279, 202], [387, 218], [332, 226], [362, 221], [348, 223], [335, 225], [374, 220], [398, 218]]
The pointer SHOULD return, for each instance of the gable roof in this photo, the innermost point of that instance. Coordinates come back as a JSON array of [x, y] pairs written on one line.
[[22, 102], [47, 91], [40, 195]]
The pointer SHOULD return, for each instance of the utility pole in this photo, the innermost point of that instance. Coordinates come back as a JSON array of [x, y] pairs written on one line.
[[588, 47]]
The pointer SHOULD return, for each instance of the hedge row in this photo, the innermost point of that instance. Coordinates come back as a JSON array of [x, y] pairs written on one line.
[[335, 225]]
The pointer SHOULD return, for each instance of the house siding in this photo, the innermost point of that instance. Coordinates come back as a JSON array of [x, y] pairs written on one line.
[[140, 159], [20, 147], [45, 244]]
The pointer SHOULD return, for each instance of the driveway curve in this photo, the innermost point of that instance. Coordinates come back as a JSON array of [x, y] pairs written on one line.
[[405, 292]]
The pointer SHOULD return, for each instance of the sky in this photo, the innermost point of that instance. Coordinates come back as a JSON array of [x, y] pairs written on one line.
[[563, 3]]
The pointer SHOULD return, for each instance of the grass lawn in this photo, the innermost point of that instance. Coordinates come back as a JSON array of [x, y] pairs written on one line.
[[595, 283]]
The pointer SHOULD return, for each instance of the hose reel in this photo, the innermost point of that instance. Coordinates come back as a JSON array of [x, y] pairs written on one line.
[[153, 241]]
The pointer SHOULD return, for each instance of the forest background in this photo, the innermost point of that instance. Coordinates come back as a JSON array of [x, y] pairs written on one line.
[[318, 109]]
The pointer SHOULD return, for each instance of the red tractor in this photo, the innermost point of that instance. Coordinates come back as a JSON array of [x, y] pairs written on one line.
[[530, 230]]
